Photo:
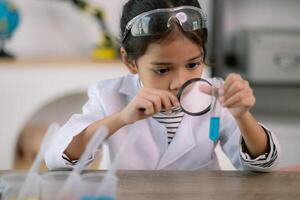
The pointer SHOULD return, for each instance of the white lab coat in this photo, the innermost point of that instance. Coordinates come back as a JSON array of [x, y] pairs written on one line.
[[191, 148]]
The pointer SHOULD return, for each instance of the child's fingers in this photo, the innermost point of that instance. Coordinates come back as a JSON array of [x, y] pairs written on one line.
[[231, 78], [233, 100], [236, 87], [165, 101], [205, 88], [145, 106], [246, 103], [168, 99], [174, 99], [240, 99], [155, 99]]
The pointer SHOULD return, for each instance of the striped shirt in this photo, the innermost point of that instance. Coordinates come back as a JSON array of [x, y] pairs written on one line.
[[265, 160], [170, 121]]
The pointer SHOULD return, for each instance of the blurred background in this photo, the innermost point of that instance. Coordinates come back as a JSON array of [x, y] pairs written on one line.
[[51, 50]]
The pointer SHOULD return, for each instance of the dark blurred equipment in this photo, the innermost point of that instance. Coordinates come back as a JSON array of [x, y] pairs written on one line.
[[105, 48], [270, 55], [9, 21]]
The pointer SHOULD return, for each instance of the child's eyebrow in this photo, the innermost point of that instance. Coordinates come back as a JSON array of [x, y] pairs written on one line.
[[161, 63], [194, 58], [168, 63]]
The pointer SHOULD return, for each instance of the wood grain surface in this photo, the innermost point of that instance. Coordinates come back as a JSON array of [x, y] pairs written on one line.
[[208, 185]]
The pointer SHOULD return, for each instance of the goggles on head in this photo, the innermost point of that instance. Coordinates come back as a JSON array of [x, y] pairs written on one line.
[[158, 21]]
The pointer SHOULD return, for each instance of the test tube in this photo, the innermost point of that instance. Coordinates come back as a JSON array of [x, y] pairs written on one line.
[[214, 128]]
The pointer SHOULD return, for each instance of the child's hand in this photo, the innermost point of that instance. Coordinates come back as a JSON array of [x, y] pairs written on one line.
[[237, 95], [147, 103]]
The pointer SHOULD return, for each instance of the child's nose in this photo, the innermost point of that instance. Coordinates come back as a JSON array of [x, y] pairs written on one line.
[[178, 80]]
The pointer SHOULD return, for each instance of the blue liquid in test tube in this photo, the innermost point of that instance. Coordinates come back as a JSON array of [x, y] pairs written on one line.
[[214, 129], [96, 198]]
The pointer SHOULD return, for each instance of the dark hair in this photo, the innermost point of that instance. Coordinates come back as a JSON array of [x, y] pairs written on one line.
[[137, 46]]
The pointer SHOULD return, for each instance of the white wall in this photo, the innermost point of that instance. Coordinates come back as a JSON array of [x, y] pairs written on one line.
[[261, 14], [26, 88]]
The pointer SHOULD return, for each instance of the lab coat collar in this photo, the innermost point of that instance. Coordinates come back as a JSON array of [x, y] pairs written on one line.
[[130, 86], [182, 143]]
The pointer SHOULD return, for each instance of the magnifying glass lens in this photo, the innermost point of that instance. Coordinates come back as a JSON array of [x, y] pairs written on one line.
[[195, 98]]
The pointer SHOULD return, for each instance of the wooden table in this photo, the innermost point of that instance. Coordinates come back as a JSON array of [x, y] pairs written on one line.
[[209, 185], [221, 185]]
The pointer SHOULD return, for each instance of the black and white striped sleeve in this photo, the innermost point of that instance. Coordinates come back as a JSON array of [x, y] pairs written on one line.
[[266, 161], [72, 163]]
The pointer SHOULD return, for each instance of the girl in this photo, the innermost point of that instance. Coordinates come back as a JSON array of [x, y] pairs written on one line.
[[163, 46]]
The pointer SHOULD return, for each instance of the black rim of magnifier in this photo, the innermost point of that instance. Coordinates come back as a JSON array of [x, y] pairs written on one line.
[[187, 83]]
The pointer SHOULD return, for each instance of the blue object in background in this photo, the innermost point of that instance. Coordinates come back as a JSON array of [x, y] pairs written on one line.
[[9, 19]]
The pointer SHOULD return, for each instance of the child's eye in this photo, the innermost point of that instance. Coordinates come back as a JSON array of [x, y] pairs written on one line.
[[193, 65], [162, 71]]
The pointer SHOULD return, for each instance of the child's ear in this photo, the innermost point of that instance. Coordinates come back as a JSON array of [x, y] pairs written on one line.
[[129, 63]]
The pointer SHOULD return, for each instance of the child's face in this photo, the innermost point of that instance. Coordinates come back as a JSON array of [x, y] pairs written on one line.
[[169, 64]]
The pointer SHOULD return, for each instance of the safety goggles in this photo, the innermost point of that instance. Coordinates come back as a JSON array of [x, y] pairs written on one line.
[[158, 21]]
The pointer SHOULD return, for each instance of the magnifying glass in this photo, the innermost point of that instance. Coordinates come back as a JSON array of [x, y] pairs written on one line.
[[193, 100], [197, 97]]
